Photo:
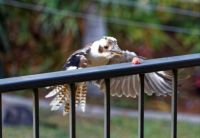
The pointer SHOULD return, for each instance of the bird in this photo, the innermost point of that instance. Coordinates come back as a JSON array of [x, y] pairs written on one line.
[[106, 51]]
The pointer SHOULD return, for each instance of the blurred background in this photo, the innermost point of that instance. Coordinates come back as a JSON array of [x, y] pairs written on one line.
[[37, 36]]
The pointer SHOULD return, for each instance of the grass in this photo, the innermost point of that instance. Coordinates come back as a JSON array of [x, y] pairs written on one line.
[[55, 126]]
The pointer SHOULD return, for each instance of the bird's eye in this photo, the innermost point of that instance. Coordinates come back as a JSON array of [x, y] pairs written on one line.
[[106, 47]]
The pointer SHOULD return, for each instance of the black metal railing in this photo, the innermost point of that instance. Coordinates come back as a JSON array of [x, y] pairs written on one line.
[[101, 72]]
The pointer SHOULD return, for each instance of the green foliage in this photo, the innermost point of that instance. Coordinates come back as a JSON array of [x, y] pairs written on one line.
[[38, 38], [147, 15], [41, 37]]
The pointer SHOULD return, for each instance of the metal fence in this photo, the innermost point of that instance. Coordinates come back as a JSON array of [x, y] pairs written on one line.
[[102, 72]]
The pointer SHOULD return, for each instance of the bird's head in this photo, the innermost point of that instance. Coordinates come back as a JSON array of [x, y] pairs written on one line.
[[106, 48]]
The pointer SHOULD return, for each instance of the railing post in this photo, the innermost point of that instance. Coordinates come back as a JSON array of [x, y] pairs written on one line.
[[107, 109], [174, 105], [1, 131], [72, 115], [141, 108], [35, 113]]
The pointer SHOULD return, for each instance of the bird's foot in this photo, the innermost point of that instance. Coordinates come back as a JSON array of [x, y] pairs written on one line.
[[136, 60]]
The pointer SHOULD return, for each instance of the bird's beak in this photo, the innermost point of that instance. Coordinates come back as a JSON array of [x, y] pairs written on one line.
[[117, 53]]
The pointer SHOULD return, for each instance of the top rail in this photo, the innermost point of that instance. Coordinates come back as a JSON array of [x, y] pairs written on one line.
[[94, 73]]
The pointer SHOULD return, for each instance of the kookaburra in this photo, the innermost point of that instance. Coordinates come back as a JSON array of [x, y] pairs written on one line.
[[103, 52]]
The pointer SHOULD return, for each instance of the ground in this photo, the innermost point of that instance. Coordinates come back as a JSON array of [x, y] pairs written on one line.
[[55, 125]]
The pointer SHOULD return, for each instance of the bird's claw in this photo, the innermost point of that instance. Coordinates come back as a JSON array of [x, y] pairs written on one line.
[[136, 60]]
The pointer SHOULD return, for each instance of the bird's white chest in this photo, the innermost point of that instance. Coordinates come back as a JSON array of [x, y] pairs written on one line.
[[97, 60]]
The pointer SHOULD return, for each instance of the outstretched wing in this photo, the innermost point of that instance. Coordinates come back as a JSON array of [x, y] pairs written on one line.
[[129, 86], [61, 93]]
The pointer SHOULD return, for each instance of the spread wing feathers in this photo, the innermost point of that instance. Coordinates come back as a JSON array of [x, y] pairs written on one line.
[[62, 97], [62, 92], [129, 86]]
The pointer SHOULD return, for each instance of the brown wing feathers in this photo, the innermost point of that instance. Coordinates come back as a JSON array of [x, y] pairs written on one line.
[[62, 97]]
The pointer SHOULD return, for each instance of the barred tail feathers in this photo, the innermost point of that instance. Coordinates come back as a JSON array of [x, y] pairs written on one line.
[[83, 97]]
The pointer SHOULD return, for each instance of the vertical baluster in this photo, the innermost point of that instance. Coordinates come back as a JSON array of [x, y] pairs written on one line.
[[141, 108], [72, 120], [174, 105], [1, 131], [107, 109], [35, 113]]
